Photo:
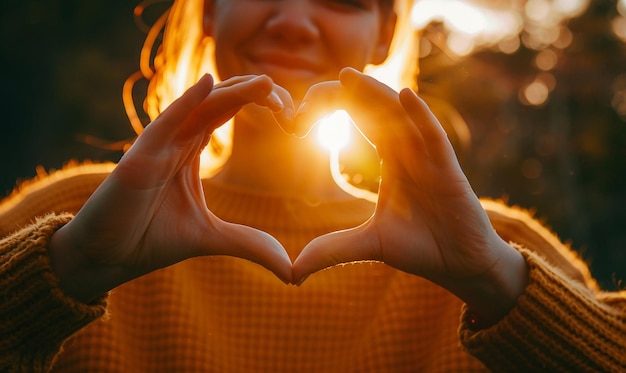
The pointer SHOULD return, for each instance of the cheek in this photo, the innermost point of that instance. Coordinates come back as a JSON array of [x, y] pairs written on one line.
[[355, 55], [223, 62], [227, 39], [353, 47]]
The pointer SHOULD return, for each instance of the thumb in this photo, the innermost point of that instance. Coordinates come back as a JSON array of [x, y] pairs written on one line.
[[356, 244], [254, 245]]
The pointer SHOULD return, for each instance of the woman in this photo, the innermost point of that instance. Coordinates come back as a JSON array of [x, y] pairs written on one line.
[[197, 267]]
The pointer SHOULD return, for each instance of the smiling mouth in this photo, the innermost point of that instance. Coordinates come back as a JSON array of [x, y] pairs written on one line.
[[295, 74]]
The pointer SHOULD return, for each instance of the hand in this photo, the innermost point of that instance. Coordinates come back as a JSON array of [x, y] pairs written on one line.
[[427, 221], [151, 212]]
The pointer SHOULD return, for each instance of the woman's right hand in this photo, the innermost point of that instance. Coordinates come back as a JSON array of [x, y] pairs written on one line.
[[151, 212]]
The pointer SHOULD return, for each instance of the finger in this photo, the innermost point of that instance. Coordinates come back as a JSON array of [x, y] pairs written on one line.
[[399, 143], [149, 155], [356, 244], [223, 103], [178, 110], [375, 105], [286, 112], [183, 129], [359, 82], [436, 141], [279, 102], [254, 245], [320, 99], [235, 80], [275, 101]]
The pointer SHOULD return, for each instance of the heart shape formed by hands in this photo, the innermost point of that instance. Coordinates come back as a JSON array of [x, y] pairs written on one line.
[[151, 211]]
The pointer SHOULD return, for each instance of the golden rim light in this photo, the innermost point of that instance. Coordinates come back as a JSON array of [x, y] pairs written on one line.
[[504, 25]]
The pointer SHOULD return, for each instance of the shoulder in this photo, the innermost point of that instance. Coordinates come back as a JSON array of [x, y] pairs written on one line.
[[63, 190], [514, 221], [519, 226]]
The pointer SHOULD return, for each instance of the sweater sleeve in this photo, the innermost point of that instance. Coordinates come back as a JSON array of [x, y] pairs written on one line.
[[35, 316], [557, 325]]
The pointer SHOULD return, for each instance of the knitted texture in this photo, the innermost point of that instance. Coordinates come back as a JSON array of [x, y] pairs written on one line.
[[557, 326], [223, 314], [36, 316]]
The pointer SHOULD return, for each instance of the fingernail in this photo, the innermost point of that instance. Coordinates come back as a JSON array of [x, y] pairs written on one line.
[[205, 78], [285, 121], [288, 113], [303, 108], [259, 77], [275, 103]]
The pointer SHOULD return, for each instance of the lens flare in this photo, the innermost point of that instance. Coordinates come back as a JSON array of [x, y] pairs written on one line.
[[334, 131]]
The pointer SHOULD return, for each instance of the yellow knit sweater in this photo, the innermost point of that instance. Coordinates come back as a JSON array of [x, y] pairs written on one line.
[[223, 314]]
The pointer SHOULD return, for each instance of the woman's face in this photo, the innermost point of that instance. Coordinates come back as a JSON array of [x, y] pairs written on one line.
[[297, 42]]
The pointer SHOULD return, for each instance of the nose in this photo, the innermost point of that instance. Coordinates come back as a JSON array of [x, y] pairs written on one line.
[[293, 21]]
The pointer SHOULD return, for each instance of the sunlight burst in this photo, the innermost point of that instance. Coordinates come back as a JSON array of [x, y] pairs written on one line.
[[334, 131]]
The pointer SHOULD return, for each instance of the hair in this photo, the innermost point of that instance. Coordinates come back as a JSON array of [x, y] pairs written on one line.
[[186, 53]]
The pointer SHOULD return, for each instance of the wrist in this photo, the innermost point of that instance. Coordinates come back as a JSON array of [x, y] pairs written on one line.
[[492, 295], [78, 276]]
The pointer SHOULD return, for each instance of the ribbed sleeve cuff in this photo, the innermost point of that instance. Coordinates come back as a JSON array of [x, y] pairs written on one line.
[[35, 315], [557, 325]]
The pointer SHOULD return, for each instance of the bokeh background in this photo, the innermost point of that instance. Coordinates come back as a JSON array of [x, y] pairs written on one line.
[[547, 116]]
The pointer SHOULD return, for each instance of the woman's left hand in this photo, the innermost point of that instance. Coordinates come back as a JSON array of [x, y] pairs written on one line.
[[428, 221]]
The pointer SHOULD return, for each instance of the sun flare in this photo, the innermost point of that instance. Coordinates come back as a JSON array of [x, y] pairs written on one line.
[[334, 131]]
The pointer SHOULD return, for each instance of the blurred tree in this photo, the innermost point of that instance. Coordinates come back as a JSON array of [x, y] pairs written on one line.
[[564, 157]]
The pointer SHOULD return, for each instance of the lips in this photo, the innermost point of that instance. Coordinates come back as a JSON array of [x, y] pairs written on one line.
[[294, 72]]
